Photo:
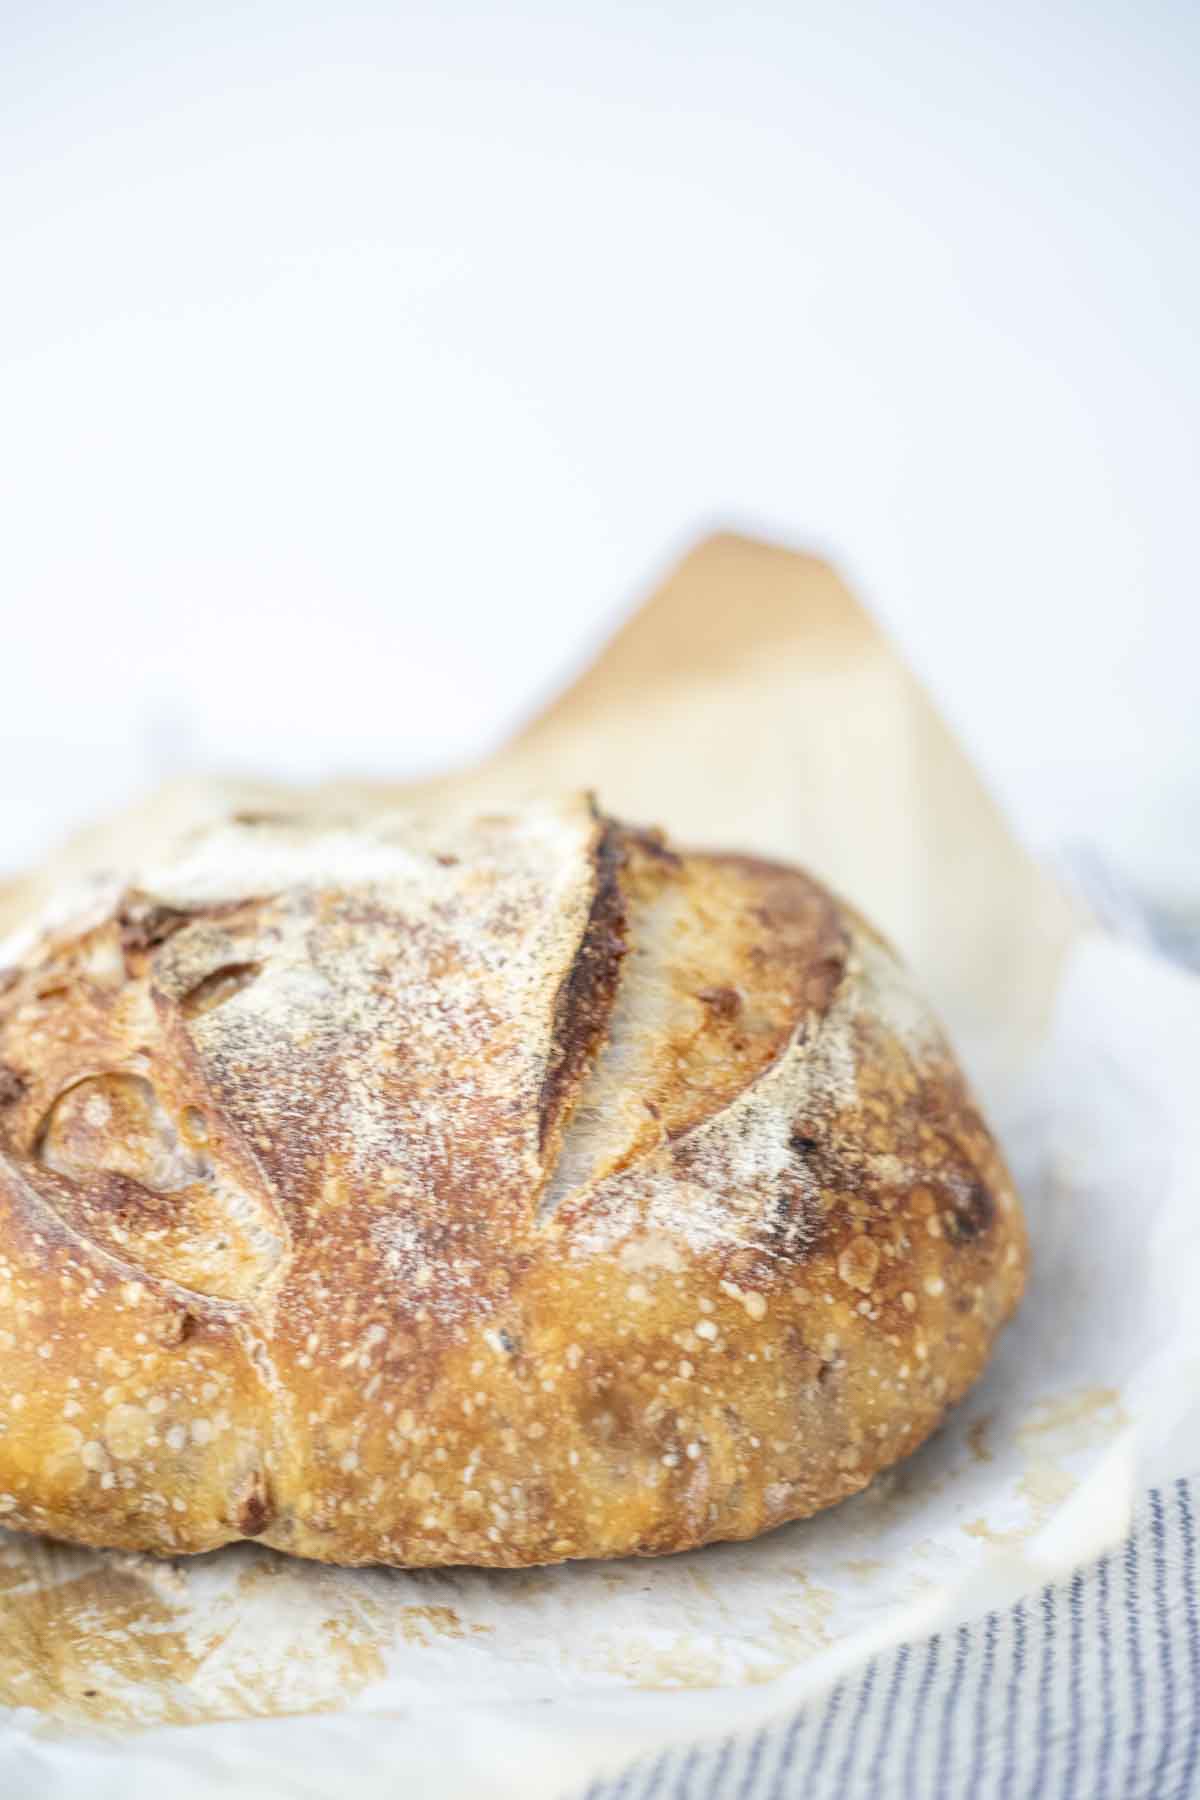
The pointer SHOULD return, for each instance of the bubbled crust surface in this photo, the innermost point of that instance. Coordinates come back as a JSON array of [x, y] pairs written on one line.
[[486, 1192]]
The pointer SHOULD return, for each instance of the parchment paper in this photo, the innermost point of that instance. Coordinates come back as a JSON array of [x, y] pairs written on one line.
[[750, 704]]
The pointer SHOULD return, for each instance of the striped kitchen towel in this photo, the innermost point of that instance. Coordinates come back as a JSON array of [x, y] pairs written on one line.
[[1086, 1690]]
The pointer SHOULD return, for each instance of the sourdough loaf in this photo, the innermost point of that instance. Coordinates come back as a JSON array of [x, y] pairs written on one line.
[[484, 1190]]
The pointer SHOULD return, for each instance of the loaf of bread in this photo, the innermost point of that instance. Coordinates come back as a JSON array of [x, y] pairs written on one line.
[[486, 1190]]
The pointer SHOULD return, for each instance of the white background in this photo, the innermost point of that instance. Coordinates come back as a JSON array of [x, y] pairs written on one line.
[[360, 365]]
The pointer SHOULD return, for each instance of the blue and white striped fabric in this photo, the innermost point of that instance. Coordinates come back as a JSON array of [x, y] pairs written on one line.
[[1088, 1690]]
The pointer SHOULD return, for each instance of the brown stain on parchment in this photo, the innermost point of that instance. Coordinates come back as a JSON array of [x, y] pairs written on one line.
[[357, 1654], [12, 1575], [417, 1624], [977, 1438], [643, 1664], [85, 1638], [1059, 1425], [799, 1628], [340, 1654], [360, 1627], [979, 1528], [796, 1628], [101, 1645], [1045, 1486], [1079, 1419], [863, 1568]]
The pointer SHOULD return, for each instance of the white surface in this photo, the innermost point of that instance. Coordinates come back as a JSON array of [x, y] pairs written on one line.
[[358, 363], [553, 1673]]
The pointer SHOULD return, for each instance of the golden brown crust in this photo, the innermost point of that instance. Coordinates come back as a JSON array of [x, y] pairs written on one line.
[[490, 1192]]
